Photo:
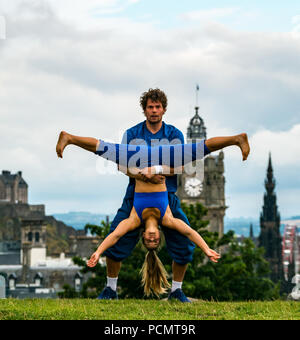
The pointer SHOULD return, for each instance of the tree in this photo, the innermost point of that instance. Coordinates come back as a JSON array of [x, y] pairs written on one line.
[[240, 274]]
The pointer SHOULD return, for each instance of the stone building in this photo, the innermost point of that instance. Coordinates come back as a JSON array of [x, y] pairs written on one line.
[[207, 184], [13, 188], [30, 262]]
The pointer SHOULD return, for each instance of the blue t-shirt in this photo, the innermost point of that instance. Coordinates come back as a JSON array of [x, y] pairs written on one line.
[[140, 131]]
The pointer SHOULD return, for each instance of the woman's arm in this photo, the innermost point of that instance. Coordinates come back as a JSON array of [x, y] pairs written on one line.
[[199, 241], [129, 224], [186, 230]]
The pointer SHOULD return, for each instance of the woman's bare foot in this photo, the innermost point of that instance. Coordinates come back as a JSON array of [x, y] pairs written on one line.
[[242, 142], [63, 141]]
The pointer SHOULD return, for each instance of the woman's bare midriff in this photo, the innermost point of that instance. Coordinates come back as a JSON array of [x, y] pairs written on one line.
[[141, 186]]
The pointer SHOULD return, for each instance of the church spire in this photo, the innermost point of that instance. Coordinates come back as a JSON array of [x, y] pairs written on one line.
[[196, 128], [270, 212], [270, 181], [270, 237]]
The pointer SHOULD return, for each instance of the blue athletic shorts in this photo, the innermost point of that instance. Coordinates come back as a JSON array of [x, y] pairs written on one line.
[[179, 247]]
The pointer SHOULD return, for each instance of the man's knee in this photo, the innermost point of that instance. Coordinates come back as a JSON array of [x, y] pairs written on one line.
[[112, 262], [112, 267]]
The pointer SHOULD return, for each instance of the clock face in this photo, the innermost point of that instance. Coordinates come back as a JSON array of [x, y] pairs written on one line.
[[193, 187]]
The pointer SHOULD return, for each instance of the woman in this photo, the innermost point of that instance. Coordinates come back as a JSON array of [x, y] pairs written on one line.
[[151, 208], [151, 200]]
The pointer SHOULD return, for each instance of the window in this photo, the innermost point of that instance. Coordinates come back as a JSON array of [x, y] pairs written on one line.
[[2, 191], [77, 284], [78, 280], [30, 236], [38, 279], [37, 237], [12, 284]]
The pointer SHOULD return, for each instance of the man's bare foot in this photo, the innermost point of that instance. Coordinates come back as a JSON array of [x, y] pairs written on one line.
[[63, 141], [242, 142]]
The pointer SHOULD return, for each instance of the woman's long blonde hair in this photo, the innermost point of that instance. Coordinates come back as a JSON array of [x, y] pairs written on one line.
[[154, 274]]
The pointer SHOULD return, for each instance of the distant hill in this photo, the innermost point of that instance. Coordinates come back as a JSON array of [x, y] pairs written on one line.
[[240, 225], [78, 220]]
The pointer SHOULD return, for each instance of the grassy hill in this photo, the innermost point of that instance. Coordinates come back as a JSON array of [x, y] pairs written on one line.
[[82, 309]]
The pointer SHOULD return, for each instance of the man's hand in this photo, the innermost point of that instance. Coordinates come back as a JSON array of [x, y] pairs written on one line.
[[157, 179], [148, 175], [148, 171], [142, 175]]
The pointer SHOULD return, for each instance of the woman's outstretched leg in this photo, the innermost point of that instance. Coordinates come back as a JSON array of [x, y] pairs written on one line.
[[241, 140], [87, 143], [181, 155]]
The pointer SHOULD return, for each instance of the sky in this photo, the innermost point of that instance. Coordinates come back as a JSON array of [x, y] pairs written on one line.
[[81, 66]]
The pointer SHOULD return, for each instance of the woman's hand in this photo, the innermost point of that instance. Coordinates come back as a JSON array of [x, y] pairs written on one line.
[[93, 260], [212, 255]]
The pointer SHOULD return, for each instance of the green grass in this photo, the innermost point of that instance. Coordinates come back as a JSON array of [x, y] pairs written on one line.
[[87, 309]]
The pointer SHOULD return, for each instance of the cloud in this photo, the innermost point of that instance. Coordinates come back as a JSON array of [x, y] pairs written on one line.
[[283, 145], [210, 14], [245, 180], [62, 69], [2, 27], [82, 15], [296, 23], [296, 19], [112, 7]]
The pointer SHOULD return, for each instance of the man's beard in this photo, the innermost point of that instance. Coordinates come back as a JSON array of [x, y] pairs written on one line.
[[156, 122]]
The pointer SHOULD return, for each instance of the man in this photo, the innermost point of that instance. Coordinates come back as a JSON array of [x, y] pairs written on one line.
[[180, 248]]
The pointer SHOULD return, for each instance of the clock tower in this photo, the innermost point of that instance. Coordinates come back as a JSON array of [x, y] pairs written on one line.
[[206, 184]]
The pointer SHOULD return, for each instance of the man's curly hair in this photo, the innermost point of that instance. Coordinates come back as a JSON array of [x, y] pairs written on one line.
[[156, 95]]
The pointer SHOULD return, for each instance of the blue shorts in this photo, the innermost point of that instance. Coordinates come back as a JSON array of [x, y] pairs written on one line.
[[179, 247]]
